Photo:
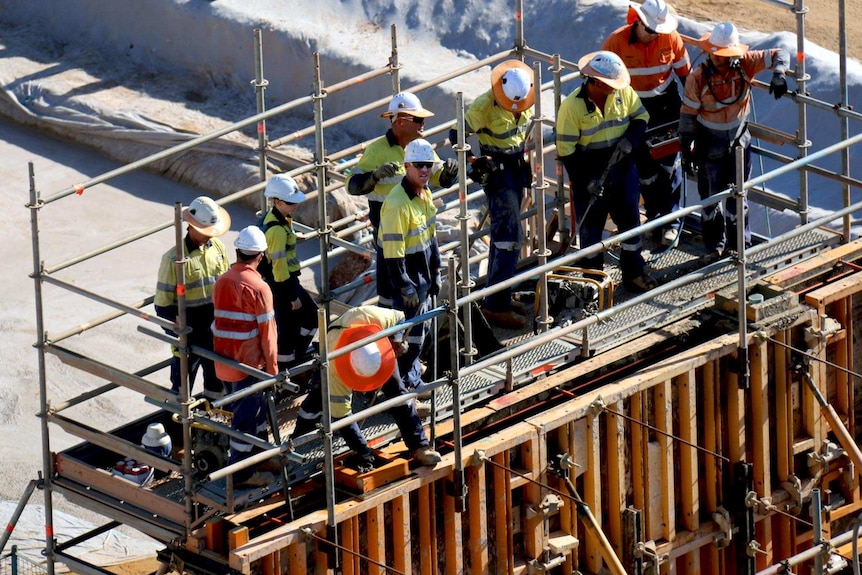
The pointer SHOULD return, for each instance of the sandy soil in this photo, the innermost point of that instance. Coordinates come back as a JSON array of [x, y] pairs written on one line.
[[821, 20]]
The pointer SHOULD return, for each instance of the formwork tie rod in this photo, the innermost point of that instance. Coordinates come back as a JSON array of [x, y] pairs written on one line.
[[312, 535], [814, 357]]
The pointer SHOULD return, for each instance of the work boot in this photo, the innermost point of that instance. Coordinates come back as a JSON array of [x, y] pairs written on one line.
[[669, 237], [640, 284], [257, 479], [520, 307], [427, 456], [423, 409], [360, 463], [506, 319]]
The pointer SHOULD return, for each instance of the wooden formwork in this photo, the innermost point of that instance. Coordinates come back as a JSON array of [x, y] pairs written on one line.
[[657, 455]]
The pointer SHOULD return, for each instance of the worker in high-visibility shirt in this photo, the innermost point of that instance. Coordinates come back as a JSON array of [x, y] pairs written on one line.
[[408, 234], [598, 127], [244, 330], [500, 118], [366, 369], [206, 259], [655, 56], [714, 120], [295, 310], [381, 168]]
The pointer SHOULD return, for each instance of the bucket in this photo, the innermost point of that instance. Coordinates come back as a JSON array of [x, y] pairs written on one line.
[[157, 440]]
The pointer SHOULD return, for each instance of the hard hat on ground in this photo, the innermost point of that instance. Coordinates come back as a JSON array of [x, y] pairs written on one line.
[[723, 40], [207, 217], [512, 84], [419, 150], [283, 187], [406, 103], [251, 240], [606, 67], [656, 15], [370, 366]]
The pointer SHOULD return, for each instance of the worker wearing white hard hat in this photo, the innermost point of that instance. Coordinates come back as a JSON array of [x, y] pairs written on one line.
[[244, 330], [295, 310], [206, 259], [600, 160], [381, 168], [658, 64], [714, 120], [366, 369], [500, 118]]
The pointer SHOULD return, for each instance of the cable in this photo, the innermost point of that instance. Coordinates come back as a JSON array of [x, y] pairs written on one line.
[[814, 357]]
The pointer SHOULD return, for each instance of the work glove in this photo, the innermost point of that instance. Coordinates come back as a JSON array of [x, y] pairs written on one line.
[[687, 156], [410, 297], [481, 167], [778, 85], [387, 170], [436, 283], [595, 188], [624, 147], [449, 173]]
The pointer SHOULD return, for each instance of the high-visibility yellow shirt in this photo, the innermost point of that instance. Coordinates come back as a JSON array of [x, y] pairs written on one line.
[[496, 128], [203, 265], [407, 224], [580, 124], [281, 246]]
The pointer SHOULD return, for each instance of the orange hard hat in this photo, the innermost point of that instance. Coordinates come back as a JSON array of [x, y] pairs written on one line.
[[368, 367], [512, 84]]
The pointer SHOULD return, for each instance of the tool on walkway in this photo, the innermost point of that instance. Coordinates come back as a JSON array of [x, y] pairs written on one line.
[[596, 189]]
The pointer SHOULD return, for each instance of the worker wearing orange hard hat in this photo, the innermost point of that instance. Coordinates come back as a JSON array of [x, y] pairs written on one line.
[[368, 368], [714, 120], [658, 64], [500, 118]]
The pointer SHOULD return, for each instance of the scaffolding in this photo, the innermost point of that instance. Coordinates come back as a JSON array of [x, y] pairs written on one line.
[[192, 515]]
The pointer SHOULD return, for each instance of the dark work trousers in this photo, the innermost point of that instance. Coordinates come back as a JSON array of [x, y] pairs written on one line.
[[249, 416], [404, 415], [408, 363], [620, 201], [296, 328], [201, 336], [660, 180], [504, 190], [716, 163], [384, 286]]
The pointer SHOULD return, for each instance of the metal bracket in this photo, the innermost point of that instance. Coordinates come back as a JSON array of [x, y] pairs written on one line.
[[479, 458], [725, 535], [550, 504], [549, 562], [597, 406]]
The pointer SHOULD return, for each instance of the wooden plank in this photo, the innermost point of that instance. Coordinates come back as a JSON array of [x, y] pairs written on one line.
[[375, 540], [237, 537], [402, 539], [271, 564], [811, 267], [761, 425], [477, 508], [616, 475], [321, 560], [531, 497], [783, 528], [689, 495], [215, 535], [834, 291], [592, 494], [350, 540], [568, 514], [735, 413], [502, 515], [427, 530], [297, 562], [453, 548], [663, 403], [638, 453]]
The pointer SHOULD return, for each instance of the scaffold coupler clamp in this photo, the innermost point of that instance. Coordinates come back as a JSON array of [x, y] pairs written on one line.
[[725, 534], [598, 406], [479, 458]]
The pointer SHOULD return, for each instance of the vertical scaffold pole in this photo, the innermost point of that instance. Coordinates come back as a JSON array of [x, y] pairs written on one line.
[[843, 104], [466, 283], [539, 187], [394, 64], [260, 84], [459, 479], [321, 164], [564, 230], [801, 77], [35, 205], [326, 420], [741, 218], [519, 26]]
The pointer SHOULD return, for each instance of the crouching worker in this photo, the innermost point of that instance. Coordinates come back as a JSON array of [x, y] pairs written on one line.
[[365, 369]]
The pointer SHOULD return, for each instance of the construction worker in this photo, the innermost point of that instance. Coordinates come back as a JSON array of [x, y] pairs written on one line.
[[500, 118], [295, 310], [411, 254], [366, 369], [654, 53], [205, 260], [244, 330], [381, 168], [599, 125], [713, 119]]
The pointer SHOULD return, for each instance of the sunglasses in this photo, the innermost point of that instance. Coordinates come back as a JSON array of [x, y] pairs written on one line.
[[414, 119], [422, 165]]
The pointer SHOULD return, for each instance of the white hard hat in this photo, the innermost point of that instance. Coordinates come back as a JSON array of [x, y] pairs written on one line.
[[606, 67], [406, 103], [419, 150], [283, 187], [366, 360], [207, 217], [723, 40], [512, 84], [657, 15], [251, 240]]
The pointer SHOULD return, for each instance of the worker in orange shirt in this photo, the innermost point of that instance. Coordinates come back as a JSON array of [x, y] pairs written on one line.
[[655, 57], [714, 120]]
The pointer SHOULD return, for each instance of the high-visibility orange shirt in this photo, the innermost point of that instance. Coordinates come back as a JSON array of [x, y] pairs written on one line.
[[652, 65], [244, 326]]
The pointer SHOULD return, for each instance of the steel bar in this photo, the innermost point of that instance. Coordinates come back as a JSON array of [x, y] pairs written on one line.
[[58, 337]]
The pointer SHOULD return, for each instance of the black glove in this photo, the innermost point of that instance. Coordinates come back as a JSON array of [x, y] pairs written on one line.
[[449, 173], [595, 188], [778, 85], [687, 155], [387, 170], [410, 297], [434, 288], [481, 167]]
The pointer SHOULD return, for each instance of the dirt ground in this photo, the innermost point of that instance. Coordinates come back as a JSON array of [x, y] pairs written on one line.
[[821, 20]]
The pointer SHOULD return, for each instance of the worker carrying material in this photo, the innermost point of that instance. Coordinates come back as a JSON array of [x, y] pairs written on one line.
[[655, 56], [714, 120], [205, 260], [381, 168], [500, 118], [295, 310], [366, 369], [599, 125], [244, 330]]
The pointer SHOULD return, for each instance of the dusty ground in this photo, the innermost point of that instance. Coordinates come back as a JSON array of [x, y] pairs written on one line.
[[821, 20]]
